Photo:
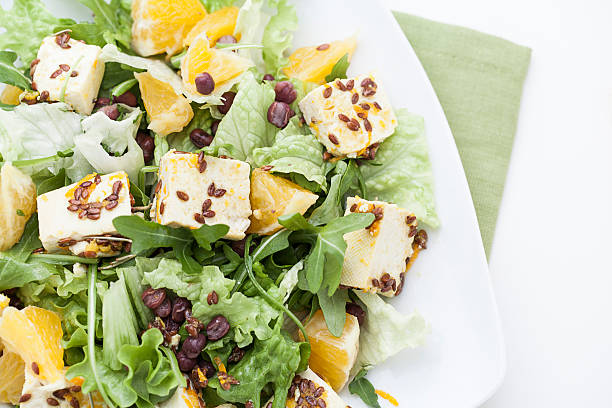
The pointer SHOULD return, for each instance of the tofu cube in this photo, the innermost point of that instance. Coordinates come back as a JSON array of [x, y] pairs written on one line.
[[188, 197], [310, 383], [69, 215], [349, 115], [75, 66], [375, 257]]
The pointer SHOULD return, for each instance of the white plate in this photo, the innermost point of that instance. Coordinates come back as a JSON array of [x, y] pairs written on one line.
[[463, 362]]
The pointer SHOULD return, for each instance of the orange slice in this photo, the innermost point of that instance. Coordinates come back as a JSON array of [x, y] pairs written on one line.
[[215, 25], [222, 65], [273, 196], [12, 377], [169, 111], [10, 95], [17, 204], [162, 25], [314, 63], [332, 357]]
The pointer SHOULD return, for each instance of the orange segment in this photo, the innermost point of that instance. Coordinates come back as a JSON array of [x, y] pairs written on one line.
[[332, 357], [223, 66], [10, 95], [215, 25], [162, 25], [17, 204], [34, 334], [169, 112], [314, 63], [273, 196], [12, 377]]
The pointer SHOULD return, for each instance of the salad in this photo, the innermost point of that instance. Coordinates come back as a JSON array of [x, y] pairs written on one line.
[[195, 213]]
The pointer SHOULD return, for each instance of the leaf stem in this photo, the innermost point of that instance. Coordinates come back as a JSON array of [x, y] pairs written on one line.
[[42, 160], [62, 259], [92, 297], [124, 87]]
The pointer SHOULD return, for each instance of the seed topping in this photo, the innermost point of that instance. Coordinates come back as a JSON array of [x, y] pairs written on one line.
[[327, 92], [333, 139], [323, 47], [182, 195]]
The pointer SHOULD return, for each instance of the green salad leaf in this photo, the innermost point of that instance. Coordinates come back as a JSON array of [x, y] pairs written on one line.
[[386, 331], [295, 152], [213, 5], [402, 173], [113, 20], [339, 69], [250, 24], [26, 24], [278, 36], [334, 310], [364, 389], [202, 119], [246, 126], [46, 181], [11, 75]]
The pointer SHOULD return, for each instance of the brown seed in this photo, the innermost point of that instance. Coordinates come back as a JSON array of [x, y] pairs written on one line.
[[365, 106], [97, 179], [84, 193], [112, 197], [74, 403], [366, 82], [322, 403], [361, 115], [343, 117], [212, 298], [267, 168], [385, 289], [73, 208], [355, 98], [82, 214], [93, 211], [327, 92], [158, 186], [421, 239], [44, 95], [367, 125], [220, 192], [354, 207], [34, 63], [319, 391], [323, 47], [72, 75], [62, 39], [64, 67], [86, 184], [340, 85], [353, 125], [24, 398], [413, 231], [93, 217], [117, 187], [206, 204], [61, 393], [327, 156], [111, 205], [162, 207], [211, 189], [377, 106], [199, 218], [209, 214], [393, 284], [53, 402], [56, 73], [182, 195], [89, 254], [202, 166], [375, 283], [333, 139], [35, 368], [385, 277], [410, 219]]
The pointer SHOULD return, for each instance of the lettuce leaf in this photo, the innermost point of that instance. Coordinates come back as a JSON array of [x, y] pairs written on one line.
[[294, 152], [250, 24], [213, 5], [278, 36], [386, 331], [11, 75], [246, 126], [402, 173], [113, 20], [26, 24], [246, 315]]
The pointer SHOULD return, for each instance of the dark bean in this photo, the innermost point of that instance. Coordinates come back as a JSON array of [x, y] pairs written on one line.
[[212, 298], [172, 327], [228, 100], [355, 310], [207, 368], [147, 144], [53, 402], [227, 39], [164, 309], [327, 92], [285, 92], [200, 138], [204, 83], [35, 368], [214, 127], [126, 98], [152, 298], [217, 328], [180, 306], [25, 397], [193, 346], [268, 77], [236, 355], [185, 363], [278, 114], [238, 246]]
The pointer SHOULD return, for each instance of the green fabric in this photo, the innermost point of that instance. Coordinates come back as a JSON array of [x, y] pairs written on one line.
[[479, 81]]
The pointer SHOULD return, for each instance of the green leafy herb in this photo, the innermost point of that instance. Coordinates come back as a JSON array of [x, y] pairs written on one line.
[[161, 148], [339, 69], [214, 5], [278, 36], [334, 310], [364, 389], [113, 19], [123, 87], [51, 182], [11, 75], [403, 175]]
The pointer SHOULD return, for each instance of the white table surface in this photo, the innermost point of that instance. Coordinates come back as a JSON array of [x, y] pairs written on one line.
[[550, 258]]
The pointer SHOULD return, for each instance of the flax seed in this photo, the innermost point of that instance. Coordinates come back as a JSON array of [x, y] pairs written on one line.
[[117, 187], [353, 125], [162, 207], [24, 398], [220, 192], [44, 95], [62, 39], [361, 115], [53, 402], [410, 219], [55, 74], [209, 213], [327, 92], [327, 156], [64, 67], [97, 179], [340, 85], [367, 125], [323, 47], [343, 117], [93, 211], [74, 403], [355, 98], [350, 84], [35, 368], [413, 231], [77, 193], [72, 75], [202, 166], [267, 168], [333, 139], [75, 388], [365, 106], [158, 186], [354, 207], [211, 189], [182, 195], [73, 208], [206, 204], [377, 106], [86, 184], [199, 218], [93, 217]]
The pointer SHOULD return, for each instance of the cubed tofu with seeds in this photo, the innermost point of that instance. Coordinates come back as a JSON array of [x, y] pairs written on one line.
[[375, 257], [71, 68], [312, 392], [69, 215], [349, 115], [195, 189]]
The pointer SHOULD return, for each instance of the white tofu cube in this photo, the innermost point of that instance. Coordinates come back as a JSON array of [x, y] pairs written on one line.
[[375, 257], [188, 197], [75, 72], [349, 115], [67, 216], [311, 384]]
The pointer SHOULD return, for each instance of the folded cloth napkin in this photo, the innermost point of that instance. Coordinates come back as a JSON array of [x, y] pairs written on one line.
[[479, 81]]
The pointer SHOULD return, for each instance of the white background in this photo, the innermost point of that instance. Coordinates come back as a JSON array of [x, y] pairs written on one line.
[[550, 263]]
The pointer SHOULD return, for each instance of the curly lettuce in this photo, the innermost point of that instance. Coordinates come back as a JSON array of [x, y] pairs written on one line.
[[278, 36]]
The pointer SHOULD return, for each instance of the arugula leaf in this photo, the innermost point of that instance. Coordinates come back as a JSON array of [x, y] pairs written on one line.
[[364, 389], [339, 69], [113, 19], [29, 241], [11, 75], [26, 24], [334, 310], [324, 263], [213, 5], [133, 282], [246, 126], [402, 171], [49, 182], [278, 36]]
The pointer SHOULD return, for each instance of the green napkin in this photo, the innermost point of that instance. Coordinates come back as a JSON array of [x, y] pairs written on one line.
[[479, 81]]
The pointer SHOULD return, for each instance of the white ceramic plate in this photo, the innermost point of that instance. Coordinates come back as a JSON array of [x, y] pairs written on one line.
[[463, 362]]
